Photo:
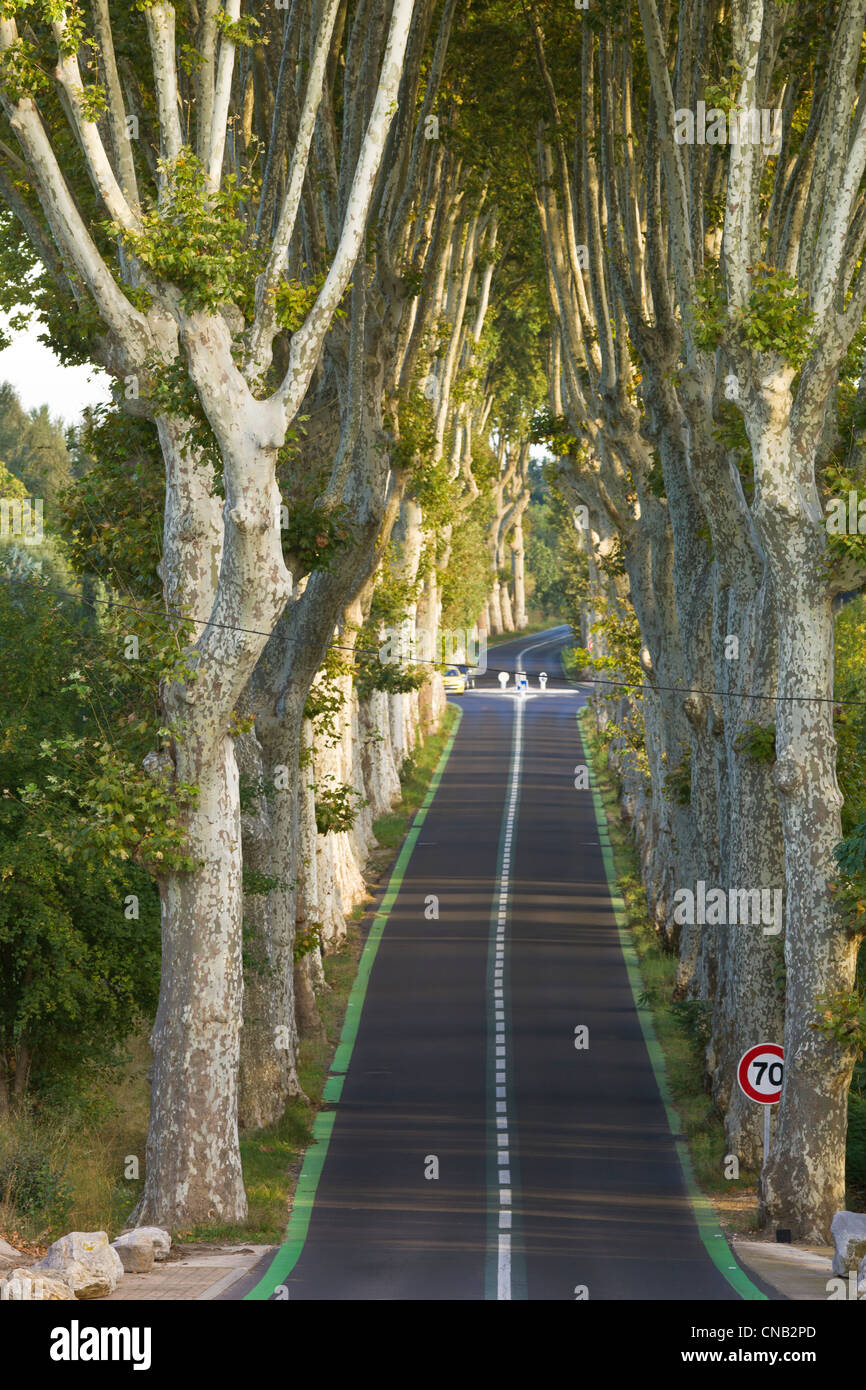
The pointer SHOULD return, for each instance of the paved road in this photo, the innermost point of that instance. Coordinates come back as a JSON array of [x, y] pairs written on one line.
[[557, 1170]]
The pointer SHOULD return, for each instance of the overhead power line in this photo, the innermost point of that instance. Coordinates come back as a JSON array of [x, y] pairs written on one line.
[[162, 612]]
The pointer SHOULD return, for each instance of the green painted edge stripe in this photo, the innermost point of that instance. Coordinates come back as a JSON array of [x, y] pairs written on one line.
[[710, 1232], [315, 1154]]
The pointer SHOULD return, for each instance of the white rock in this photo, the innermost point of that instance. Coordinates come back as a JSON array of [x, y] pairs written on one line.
[[9, 1256], [30, 1286], [91, 1268], [136, 1252], [861, 1276], [159, 1237], [848, 1229]]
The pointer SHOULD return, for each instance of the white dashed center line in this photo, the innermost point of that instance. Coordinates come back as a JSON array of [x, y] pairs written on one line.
[[503, 1265]]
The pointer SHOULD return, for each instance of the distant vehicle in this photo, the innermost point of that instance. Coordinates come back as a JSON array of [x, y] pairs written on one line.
[[454, 680], [469, 673]]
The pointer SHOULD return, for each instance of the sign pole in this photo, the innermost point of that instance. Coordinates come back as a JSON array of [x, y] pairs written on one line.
[[759, 1074]]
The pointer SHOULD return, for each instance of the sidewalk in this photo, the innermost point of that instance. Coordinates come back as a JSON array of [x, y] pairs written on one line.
[[203, 1272], [198, 1272], [798, 1272]]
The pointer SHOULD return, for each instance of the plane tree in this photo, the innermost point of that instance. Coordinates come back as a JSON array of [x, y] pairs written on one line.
[[775, 303], [163, 224]]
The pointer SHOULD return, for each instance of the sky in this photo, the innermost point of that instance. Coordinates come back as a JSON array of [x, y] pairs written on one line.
[[40, 379]]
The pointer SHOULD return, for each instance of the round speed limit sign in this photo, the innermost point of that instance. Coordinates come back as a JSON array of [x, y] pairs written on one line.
[[760, 1072]]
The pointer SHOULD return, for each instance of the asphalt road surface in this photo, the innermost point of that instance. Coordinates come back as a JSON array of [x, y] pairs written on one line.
[[477, 1152]]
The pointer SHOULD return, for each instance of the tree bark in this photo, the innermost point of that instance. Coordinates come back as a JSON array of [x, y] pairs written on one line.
[[519, 577]]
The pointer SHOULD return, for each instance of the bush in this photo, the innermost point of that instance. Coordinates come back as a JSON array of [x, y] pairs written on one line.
[[34, 1186], [855, 1166]]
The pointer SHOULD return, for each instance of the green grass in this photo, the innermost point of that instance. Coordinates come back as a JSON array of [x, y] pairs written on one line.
[[680, 1026], [86, 1144]]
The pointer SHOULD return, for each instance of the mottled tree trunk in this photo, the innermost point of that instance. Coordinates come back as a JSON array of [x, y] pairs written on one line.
[[505, 607], [193, 1160], [519, 577], [494, 609], [309, 916], [804, 1181], [268, 1062]]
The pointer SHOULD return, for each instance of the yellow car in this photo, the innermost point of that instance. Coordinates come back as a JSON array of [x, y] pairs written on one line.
[[454, 681]]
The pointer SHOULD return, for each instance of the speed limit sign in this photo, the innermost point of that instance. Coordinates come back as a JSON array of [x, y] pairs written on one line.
[[760, 1073]]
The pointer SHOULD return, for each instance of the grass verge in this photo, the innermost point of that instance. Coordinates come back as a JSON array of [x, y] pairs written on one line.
[[680, 1026], [391, 829]]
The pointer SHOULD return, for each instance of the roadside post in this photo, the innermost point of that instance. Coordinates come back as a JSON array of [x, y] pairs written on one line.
[[760, 1072]]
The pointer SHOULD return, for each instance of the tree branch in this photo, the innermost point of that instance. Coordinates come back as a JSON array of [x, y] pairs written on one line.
[[306, 343]]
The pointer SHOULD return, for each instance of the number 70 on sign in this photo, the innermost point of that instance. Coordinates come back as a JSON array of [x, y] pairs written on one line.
[[760, 1073]]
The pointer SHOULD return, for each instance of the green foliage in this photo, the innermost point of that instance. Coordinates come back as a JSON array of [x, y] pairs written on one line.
[[619, 657], [620, 649], [843, 545], [170, 391], [293, 301], [655, 480], [556, 564], [118, 812], [849, 722], [104, 807], [372, 673], [315, 534], [678, 782], [258, 884], [851, 853], [849, 727], [388, 676], [326, 696], [775, 319], [195, 238], [20, 72], [412, 425], [34, 1186], [392, 601], [730, 431], [855, 1160], [467, 579], [242, 32], [337, 807], [757, 741], [554, 432], [198, 240], [306, 940], [695, 1018], [613, 562], [34, 449], [76, 974], [843, 1018], [112, 517], [723, 95]]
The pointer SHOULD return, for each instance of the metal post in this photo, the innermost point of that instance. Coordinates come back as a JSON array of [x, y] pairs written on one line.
[[767, 1109]]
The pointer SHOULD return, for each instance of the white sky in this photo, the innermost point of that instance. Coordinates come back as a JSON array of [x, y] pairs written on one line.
[[40, 379]]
